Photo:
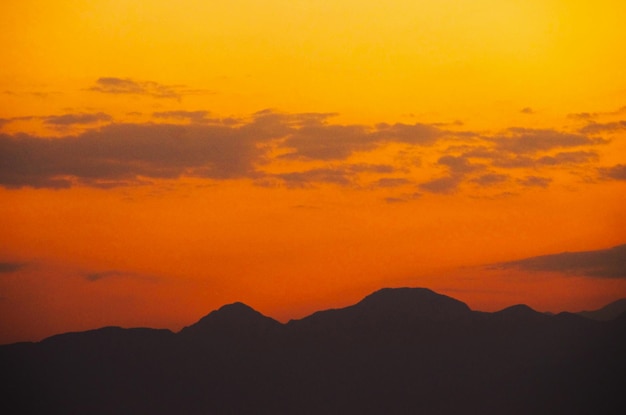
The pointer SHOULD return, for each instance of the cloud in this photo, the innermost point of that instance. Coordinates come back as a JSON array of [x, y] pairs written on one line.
[[321, 141], [490, 179], [458, 164], [341, 175], [119, 154], [606, 263], [586, 116], [508, 160], [535, 181], [388, 182], [596, 128], [528, 141], [527, 110], [329, 142], [126, 154], [67, 120], [571, 157], [128, 86], [617, 172], [190, 116], [442, 185], [97, 276], [583, 115], [403, 198], [8, 267]]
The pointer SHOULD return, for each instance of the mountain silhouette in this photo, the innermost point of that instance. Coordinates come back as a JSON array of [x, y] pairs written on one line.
[[608, 312], [398, 351], [235, 319]]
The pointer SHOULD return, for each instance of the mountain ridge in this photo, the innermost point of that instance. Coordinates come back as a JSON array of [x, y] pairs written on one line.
[[397, 351], [417, 303]]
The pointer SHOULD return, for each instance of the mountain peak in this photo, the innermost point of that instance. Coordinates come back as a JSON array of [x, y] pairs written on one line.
[[520, 313], [608, 312], [233, 318], [417, 302], [391, 306]]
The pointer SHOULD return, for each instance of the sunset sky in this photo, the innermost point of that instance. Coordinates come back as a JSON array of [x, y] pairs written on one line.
[[159, 159]]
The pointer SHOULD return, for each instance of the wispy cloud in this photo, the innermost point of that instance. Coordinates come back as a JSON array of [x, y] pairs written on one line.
[[66, 120], [322, 141], [101, 275], [8, 267], [96, 276], [527, 140], [535, 181], [605, 263], [490, 179], [343, 174], [617, 172], [190, 116], [596, 128], [129, 86], [442, 185]]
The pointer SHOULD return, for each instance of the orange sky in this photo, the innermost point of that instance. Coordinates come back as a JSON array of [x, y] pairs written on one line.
[[159, 159]]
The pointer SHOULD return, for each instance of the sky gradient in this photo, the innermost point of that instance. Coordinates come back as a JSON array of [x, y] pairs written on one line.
[[160, 159]]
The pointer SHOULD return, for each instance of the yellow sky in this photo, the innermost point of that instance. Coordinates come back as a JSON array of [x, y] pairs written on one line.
[[299, 154]]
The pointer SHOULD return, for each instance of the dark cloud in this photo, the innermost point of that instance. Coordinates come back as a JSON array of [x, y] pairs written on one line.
[[128, 86], [395, 200], [125, 154], [329, 142], [415, 134], [458, 164], [96, 276], [583, 115], [490, 179], [67, 120], [318, 140], [586, 116], [596, 128], [617, 172], [571, 157], [191, 116], [341, 175], [403, 198], [528, 141], [442, 185], [458, 167], [527, 110], [37, 94], [119, 154], [391, 182], [508, 160], [606, 263], [133, 153], [535, 181], [7, 267]]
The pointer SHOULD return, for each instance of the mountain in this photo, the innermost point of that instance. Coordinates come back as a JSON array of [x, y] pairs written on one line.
[[235, 320], [398, 351], [608, 312]]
